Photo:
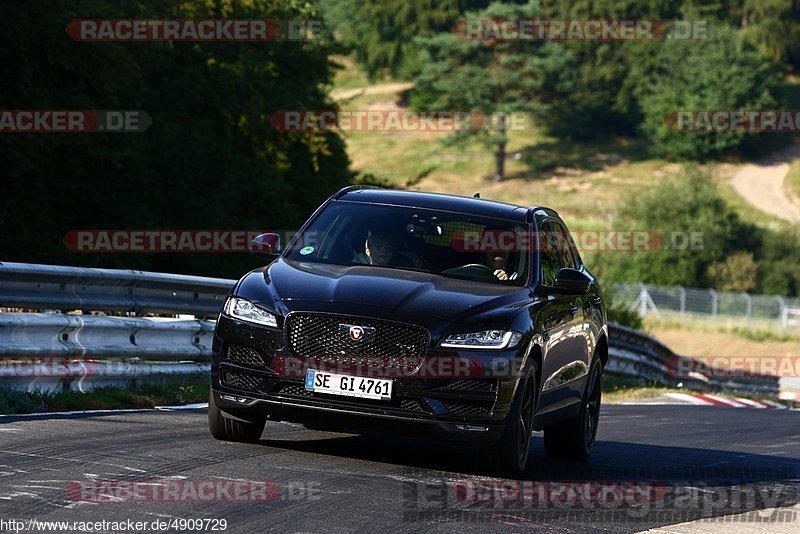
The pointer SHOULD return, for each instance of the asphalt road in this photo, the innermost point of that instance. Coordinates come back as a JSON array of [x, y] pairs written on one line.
[[652, 466]]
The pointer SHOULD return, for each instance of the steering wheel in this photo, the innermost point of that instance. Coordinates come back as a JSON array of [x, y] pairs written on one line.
[[470, 269], [478, 267]]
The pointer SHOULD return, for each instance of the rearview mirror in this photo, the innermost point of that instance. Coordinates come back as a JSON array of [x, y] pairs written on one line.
[[572, 281], [265, 245]]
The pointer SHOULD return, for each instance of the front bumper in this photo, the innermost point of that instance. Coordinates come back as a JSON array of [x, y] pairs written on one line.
[[356, 420], [254, 377]]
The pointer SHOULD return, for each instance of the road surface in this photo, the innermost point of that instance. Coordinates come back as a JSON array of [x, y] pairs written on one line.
[[681, 461]]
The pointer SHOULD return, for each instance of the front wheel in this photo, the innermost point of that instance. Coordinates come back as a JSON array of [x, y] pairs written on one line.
[[226, 429], [510, 453], [574, 439]]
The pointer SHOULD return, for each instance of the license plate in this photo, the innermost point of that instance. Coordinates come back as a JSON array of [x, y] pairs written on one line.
[[349, 386]]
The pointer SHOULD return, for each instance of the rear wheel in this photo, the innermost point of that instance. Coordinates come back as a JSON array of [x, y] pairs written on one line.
[[510, 453], [574, 439], [226, 429]]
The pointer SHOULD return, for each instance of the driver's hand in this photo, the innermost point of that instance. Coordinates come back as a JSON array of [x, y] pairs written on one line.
[[501, 274]]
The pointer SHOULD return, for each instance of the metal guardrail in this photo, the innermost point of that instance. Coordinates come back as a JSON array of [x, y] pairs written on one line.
[[90, 350], [77, 351], [636, 355], [34, 286], [29, 335]]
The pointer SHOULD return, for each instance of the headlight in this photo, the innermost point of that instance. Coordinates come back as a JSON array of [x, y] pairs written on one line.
[[485, 339], [247, 311]]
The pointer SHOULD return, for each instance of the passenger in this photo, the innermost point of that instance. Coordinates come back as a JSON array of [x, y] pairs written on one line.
[[498, 261]]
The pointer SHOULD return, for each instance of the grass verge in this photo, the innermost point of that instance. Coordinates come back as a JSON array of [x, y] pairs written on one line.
[[620, 389], [169, 392]]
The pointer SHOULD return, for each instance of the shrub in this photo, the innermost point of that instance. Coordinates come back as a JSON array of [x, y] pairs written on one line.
[[736, 273], [674, 209], [724, 72]]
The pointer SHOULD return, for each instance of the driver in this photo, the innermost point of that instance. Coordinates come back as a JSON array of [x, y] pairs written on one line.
[[379, 247]]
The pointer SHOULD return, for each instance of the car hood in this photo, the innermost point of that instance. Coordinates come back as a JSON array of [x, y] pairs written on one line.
[[376, 291]]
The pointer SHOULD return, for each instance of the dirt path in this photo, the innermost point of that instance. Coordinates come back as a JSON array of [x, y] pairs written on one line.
[[761, 184], [381, 89]]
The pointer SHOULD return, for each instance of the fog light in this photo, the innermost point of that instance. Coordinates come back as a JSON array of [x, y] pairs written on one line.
[[472, 428], [240, 400]]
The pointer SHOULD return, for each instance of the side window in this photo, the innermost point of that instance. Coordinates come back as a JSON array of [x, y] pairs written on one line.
[[564, 246], [576, 257], [548, 255]]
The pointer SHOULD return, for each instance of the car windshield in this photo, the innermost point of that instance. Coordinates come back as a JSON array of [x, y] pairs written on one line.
[[455, 245]]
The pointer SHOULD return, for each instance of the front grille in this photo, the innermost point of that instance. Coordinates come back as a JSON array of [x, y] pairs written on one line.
[[412, 405], [471, 384], [468, 408], [320, 335], [241, 380], [246, 355], [294, 390]]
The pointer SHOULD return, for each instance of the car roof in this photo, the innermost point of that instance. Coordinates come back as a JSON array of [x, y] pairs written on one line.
[[439, 201]]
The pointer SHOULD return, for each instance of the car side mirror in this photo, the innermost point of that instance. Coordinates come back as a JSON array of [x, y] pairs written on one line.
[[572, 281], [266, 245]]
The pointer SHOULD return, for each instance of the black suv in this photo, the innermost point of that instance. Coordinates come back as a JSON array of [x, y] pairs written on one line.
[[463, 318]]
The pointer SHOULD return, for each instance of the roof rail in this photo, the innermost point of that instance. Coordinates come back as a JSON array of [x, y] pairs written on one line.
[[347, 189]]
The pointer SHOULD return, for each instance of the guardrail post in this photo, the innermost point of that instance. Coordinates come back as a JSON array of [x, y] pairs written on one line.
[[682, 292], [714, 303], [643, 302], [784, 315], [749, 301]]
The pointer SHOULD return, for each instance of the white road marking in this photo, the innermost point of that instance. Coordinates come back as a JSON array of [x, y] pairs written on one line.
[[744, 523], [752, 403], [691, 399], [726, 400], [77, 460], [197, 406]]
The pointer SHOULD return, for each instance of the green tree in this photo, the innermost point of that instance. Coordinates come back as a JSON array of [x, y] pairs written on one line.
[[210, 160], [778, 254], [494, 79], [726, 73], [688, 205], [381, 32], [593, 101]]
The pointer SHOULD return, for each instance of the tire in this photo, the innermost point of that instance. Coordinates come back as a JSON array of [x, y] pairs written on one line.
[[574, 439], [510, 453], [226, 429]]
